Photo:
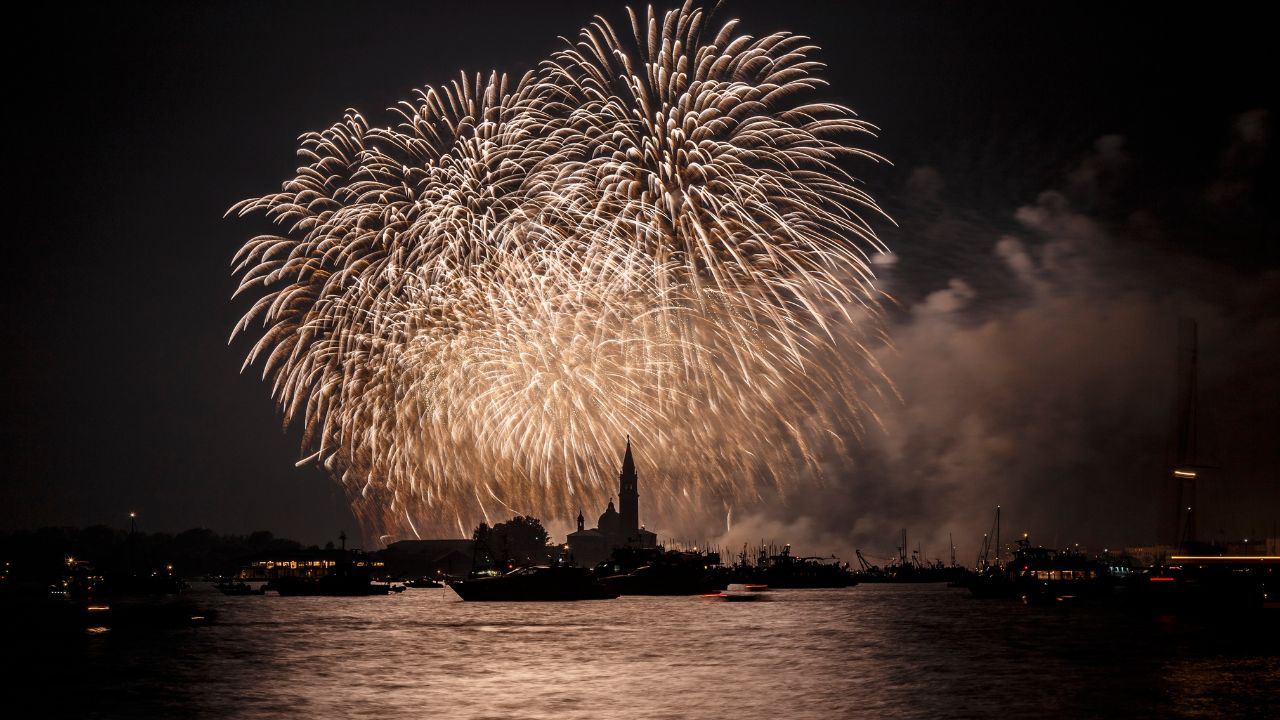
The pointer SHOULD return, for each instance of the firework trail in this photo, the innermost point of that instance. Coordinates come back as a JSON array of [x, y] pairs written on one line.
[[651, 235]]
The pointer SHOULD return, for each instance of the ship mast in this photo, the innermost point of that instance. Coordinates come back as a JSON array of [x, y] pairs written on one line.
[[1184, 467], [986, 542], [998, 553]]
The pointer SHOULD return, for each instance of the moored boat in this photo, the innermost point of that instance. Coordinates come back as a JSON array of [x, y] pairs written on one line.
[[424, 582], [348, 578], [330, 585], [1209, 584], [535, 584], [239, 588], [1043, 575], [658, 572], [787, 571]]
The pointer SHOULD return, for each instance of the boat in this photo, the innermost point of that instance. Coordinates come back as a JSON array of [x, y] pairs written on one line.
[[913, 571], [1208, 583], [535, 583], [738, 592], [424, 582], [330, 585], [239, 588], [80, 599], [784, 570], [662, 580], [913, 568], [1041, 575], [734, 597], [654, 571], [348, 578]]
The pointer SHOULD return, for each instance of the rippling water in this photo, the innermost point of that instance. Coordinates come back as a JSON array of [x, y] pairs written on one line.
[[874, 651]]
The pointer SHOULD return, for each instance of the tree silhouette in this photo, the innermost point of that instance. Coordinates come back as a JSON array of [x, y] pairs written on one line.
[[520, 541]]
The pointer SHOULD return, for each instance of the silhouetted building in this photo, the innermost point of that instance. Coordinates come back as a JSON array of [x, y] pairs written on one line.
[[614, 528], [305, 564], [421, 558]]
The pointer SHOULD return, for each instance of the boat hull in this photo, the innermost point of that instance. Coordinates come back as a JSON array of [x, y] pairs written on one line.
[[534, 585], [304, 588]]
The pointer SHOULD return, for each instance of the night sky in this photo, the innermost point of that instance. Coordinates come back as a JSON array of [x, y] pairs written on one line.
[[1067, 182]]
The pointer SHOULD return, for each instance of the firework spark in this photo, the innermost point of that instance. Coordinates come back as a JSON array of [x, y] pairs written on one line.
[[651, 235]]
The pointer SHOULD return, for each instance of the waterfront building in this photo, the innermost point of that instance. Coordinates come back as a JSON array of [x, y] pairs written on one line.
[[423, 558]]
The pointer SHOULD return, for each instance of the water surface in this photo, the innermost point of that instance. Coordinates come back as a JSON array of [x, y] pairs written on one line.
[[874, 651]]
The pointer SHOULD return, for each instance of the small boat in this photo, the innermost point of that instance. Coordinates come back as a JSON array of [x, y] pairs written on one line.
[[424, 582], [734, 597], [239, 588], [739, 593], [539, 583]]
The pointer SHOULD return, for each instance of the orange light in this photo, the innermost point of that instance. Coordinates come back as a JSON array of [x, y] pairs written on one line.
[[1211, 558]]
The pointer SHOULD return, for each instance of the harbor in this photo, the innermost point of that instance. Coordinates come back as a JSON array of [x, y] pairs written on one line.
[[518, 561], [689, 360], [878, 650], [514, 623]]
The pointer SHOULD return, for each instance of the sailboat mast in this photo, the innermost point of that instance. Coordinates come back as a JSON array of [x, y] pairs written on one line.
[[998, 536], [1184, 454]]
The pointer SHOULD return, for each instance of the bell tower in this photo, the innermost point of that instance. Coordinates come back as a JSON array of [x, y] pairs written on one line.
[[629, 499]]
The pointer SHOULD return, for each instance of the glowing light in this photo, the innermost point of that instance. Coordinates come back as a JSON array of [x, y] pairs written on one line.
[[654, 235], [1213, 558], [1190, 474]]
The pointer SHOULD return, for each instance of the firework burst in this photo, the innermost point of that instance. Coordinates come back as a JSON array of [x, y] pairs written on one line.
[[651, 234]]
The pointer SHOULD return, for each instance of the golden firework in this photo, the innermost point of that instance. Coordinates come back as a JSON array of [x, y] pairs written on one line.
[[654, 235]]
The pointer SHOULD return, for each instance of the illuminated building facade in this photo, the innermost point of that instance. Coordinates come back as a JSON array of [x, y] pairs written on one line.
[[306, 565]]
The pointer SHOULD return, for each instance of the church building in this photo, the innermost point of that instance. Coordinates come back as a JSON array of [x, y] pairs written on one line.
[[616, 527]]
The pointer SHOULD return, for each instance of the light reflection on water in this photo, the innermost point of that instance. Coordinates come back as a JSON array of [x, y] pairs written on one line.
[[866, 652]]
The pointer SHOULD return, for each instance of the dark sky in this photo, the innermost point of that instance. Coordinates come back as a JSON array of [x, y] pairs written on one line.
[[1150, 129]]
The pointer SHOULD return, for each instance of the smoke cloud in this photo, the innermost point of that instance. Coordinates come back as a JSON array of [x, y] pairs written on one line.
[[1040, 374]]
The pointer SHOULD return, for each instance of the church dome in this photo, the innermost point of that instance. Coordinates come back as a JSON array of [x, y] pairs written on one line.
[[610, 522]]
